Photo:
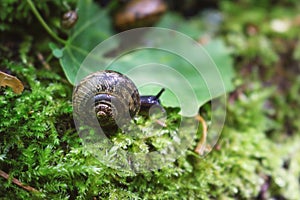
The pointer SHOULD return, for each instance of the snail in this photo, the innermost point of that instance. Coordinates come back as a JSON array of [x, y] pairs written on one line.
[[139, 13], [69, 19], [112, 97]]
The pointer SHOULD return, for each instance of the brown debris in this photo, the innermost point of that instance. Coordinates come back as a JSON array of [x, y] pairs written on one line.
[[11, 81]]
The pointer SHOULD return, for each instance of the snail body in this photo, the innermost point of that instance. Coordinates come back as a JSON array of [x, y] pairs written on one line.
[[112, 97]]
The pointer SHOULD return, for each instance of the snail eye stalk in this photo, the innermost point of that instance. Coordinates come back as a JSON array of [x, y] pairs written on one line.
[[160, 93]]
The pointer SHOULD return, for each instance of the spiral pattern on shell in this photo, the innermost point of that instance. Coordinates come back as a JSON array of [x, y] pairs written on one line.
[[109, 96]]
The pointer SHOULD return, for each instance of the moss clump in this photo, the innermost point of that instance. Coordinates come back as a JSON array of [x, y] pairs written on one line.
[[41, 148]]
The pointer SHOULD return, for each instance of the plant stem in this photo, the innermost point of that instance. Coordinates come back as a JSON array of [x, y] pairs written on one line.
[[44, 24]]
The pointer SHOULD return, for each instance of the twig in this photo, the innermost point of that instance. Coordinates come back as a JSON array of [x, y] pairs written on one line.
[[18, 183], [161, 123], [202, 143], [42, 60]]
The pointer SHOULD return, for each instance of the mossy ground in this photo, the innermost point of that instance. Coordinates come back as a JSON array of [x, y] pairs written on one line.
[[257, 155]]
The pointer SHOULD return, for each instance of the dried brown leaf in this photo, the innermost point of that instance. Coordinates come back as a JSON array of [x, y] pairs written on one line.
[[11, 81]]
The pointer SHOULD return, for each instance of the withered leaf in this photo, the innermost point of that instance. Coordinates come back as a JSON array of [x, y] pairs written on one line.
[[11, 81]]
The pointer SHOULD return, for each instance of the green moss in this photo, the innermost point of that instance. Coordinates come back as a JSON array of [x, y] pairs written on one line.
[[41, 148], [258, 148], [18, 12]]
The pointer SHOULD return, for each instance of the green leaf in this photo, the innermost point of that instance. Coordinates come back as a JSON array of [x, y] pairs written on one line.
[[169, 59], [81, 57], [57, 52], [93, 26]]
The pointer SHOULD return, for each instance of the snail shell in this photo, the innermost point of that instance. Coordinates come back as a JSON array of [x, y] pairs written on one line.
[[139, 13], [69, 19], [110, 96]]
